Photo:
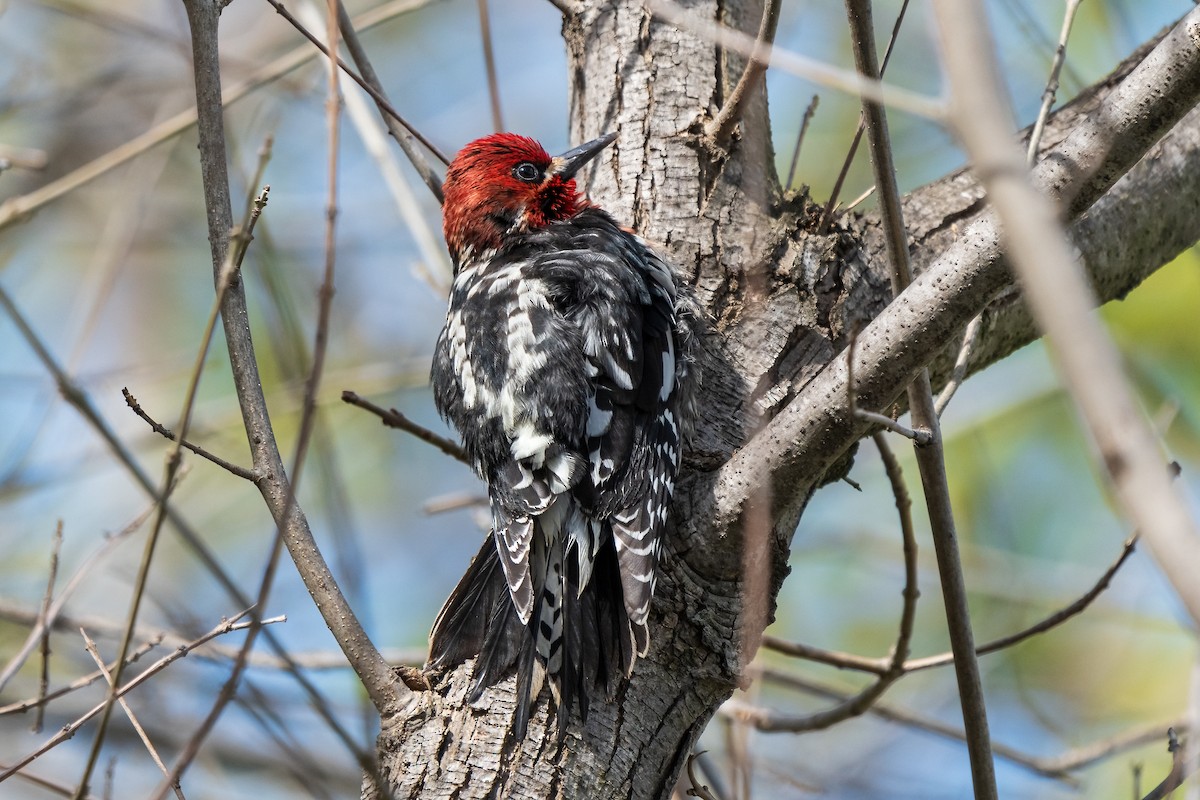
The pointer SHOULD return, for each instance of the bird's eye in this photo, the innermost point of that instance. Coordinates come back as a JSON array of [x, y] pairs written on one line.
[[525, 171]]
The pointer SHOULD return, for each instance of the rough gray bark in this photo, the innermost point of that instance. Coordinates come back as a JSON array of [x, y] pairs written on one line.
[[782, 301]]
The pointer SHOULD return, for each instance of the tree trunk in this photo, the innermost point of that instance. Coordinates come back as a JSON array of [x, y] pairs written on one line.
[[782, 301]]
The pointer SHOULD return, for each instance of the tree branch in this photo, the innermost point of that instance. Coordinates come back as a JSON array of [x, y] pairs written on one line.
[[721, 127], [386, 690], [797, 447], [931, 458], [1056, 287]]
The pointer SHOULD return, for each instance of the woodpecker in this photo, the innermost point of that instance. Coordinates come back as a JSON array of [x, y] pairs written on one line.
[[565, 364]]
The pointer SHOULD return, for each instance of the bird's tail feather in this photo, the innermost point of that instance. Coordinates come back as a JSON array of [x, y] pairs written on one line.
[[462, 627], [578, 641]]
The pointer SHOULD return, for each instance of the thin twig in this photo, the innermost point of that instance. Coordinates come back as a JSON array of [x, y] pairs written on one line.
[[23, 158], [831, 204], [17, 208], [241, 472], [489, 61], [81, 402], [930, 457], [43, 623], [81, 682], [454, 502], [1179, 770], [697, 788], [1054, 284], [811, 69], [908, 539], [394, 419], [1053, 621], [433, 265], [225, 279], [69, 730], [893, 667], [1060, 57], [102, 626], [229, 688], [877, 666], [919, 436], [90, 646], [804, 123], [387, 692], [363, 61], [970, 337], [892, 713], [52, 613], [60, 789], [376, 95], [720, 128]]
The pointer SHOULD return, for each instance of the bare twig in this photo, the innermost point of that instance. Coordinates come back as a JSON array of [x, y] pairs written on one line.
[[225, 279], [47, 620], [433, 267], [133, 720], [17, 208], [394, 419], [908, 539], [213, 651], [878, 666], [1179, 770], [808, 68], [970, 337], [900, 716], [367, 86], [23, 158], [930, 457], [827, 213], [1053, 621], [804, 123], [42, 622], [230, 467], [387, 692], [919, 436], [720, 127], [81, 682], [81, 402], [292, 528], [489, 60], [1060, 56], [60, 789], [454, 502], [359, 54], [1055, 286], [697, 789], [69, 730], [893, 667]]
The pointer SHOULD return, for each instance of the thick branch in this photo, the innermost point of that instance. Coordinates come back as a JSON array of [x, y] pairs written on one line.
[[808, 436]]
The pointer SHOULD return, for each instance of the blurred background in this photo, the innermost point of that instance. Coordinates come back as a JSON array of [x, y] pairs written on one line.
[[114, 280]]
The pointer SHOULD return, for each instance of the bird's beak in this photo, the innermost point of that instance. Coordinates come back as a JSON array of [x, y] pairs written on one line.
[[566, 165]]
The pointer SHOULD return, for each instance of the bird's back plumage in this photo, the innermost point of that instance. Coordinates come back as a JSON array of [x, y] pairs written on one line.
[[564, 364]]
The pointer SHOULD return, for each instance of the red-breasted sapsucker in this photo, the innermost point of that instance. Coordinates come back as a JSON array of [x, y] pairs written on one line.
[[565, 365]]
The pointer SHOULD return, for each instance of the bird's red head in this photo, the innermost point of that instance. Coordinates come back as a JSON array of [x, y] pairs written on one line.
[[505, 182]]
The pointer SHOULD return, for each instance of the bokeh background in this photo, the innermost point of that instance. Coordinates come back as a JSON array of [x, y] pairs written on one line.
[[115, 280]]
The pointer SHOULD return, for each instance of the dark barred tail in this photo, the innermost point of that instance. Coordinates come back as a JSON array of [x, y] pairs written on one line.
[[586, 635]]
